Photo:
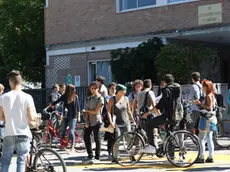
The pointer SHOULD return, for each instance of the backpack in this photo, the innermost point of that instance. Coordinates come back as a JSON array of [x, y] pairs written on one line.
[[178, 111], [105, 113], [220, 103]]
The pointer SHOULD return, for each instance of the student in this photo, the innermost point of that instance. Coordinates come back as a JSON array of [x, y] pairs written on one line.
[[102, 90], [119, 107], [71, 103], [209, 105], [93, 119], [16, 109]]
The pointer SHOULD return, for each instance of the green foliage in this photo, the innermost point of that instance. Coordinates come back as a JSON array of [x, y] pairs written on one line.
[[136, 63], [22, 37], [181, 61]]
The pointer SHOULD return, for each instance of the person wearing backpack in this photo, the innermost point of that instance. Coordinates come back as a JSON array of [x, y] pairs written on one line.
[[172, 111], [145, 99], [137, 87], [196, 93]]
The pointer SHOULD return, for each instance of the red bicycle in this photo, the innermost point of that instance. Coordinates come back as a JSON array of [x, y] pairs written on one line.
[[51, 134]]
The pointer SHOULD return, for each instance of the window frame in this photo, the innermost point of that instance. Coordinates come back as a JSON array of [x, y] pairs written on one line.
[[95, 61], [119, 10], [159, 3], [46, 3], [180, 2]]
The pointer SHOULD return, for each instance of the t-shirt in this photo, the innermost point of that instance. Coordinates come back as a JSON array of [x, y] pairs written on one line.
[[93, 102], [54, 96], [121, 113], [195, 92], [140, 98], [15, 105], [103, 91], [131, 97]]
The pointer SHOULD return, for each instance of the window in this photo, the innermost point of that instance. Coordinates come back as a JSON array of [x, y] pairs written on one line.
[[47, 4], [132, 4], [99, 68], [173, 1]]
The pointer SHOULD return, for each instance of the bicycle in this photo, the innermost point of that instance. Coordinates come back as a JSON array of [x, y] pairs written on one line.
[[182, 148], [44, 159], [52, 131]]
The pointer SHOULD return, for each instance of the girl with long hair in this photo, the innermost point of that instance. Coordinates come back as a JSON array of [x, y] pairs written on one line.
[[209, 106], [71, 103]]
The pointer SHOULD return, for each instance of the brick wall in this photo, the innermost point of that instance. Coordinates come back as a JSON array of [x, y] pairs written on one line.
[[76, 20], [78, 66]]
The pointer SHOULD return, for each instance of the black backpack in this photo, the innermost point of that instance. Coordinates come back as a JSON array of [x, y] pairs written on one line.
[[220, 103], [104, 112]]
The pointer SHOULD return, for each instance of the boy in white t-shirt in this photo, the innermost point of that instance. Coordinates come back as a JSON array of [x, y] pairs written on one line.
[[16, 109]]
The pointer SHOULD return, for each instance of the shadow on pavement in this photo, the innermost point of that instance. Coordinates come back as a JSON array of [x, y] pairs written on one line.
[[202, 169], [209, 169]]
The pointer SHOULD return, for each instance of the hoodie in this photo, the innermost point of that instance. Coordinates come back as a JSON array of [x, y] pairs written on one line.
[[170, 104]]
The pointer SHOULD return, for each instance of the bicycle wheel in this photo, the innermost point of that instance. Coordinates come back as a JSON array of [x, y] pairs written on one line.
[[126, 150], [182, 148], [79, 142], [222, 136], [48, 160]]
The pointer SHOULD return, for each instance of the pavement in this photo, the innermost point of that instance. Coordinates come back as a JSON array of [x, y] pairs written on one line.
[[74, 163]]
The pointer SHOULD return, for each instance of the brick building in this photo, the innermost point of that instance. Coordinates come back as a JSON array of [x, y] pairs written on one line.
[[79, 34]]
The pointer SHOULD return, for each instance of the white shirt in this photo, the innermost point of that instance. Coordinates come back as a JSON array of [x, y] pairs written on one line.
[[104, 90], [195, 92], [15, 104]]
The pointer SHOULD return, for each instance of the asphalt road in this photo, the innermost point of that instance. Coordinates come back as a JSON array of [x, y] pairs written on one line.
[[74, 163]]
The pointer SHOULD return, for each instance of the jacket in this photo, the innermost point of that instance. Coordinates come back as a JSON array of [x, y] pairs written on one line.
[[170, 104], [73, 107]]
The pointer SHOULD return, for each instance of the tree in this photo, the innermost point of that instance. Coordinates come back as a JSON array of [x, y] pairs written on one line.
[[136, 63], [22, 38], [181, 61]]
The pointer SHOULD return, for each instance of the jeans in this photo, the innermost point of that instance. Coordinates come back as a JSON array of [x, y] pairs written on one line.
[[21, 144], [119, 131], [203, 136], [1, 133], [151, 124], [87, 138], [72, 125]]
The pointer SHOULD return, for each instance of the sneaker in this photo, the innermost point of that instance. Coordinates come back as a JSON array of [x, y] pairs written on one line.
[[200, 161], [148, 150], [114, 161], [96, 161], [88, 161], [209, 160]]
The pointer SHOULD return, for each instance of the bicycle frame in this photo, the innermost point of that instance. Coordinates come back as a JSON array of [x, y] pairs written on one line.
[[51, 129], [32, 147]]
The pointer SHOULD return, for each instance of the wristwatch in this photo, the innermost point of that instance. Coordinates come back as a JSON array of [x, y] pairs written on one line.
[[149, 112]]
